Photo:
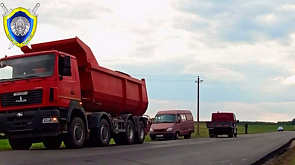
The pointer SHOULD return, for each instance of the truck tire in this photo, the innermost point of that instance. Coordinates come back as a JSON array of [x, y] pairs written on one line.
[[231, 134], [20, 144], [140, 136], [100, 136], [52, 143], [76, 135], [127, 137], [236, 134], [188, 136]]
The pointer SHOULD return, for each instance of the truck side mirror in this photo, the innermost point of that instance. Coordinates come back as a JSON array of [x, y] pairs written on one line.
[[67, 66], [238, 121]]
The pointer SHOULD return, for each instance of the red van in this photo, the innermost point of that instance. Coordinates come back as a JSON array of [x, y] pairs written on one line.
[[170, 124]]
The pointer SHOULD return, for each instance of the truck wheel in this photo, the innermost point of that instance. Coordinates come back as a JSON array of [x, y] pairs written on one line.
[[20, 144], [236, 134], [75, 137], [126, 137], [140, 136], [52, 143], [211, 136], [100, 136], [188, 136], [231, 134], [129, 136], [176, 136]]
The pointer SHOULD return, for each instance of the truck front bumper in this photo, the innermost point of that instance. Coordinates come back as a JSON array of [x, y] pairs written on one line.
[[24, 124]]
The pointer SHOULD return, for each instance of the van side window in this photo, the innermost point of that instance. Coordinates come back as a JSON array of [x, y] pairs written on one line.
[[189, 117], [183, 117], [178, 118]]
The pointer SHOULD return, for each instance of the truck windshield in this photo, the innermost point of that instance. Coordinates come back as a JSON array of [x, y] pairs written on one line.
[[165, 118], [27, 67]]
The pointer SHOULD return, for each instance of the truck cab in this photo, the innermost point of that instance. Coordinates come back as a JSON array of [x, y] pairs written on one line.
[[36, 90]]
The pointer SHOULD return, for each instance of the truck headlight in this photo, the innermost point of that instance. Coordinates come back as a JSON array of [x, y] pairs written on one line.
[[169, 129], [50, 120], [151, 130]]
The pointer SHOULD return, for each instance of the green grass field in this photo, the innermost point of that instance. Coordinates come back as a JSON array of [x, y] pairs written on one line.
[[4, 145]]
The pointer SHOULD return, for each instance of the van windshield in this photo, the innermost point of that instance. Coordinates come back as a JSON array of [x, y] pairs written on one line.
[[165, 118]]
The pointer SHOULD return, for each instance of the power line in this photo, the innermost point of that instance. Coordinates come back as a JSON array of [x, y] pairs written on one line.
[[217, 83]]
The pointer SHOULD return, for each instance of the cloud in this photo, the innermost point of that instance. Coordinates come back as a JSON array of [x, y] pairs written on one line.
[[241, 21], [286, 81], [244, 51]]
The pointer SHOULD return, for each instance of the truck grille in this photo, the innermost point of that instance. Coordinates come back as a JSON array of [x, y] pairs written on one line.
[[21, 98]]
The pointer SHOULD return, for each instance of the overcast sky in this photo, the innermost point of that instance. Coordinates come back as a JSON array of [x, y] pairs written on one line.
[[243, 50]]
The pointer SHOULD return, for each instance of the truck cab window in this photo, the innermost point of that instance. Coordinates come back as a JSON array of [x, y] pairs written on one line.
[[64, 66]]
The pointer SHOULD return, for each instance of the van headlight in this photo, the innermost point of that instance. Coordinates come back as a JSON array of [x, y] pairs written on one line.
[[151, 130], [169, 129]]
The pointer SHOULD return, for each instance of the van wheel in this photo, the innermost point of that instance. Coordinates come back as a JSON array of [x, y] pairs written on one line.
[[20, 144], [140, 136], [76, 135], [52, 143], [188, 136], [176, 136]]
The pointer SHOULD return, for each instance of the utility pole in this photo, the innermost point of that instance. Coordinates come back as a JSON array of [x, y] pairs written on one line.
[[198, 105]]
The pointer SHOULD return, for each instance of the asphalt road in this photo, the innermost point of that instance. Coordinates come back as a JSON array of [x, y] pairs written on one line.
[[244, 150]]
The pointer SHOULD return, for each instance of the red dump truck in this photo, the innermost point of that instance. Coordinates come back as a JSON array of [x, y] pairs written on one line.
[[57, 92], [223, 123]]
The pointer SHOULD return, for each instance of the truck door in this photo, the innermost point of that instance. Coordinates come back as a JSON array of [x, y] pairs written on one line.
[[68, 87]]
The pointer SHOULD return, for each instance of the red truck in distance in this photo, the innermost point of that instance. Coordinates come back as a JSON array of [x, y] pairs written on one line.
[[223, 123], [57, 92]]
